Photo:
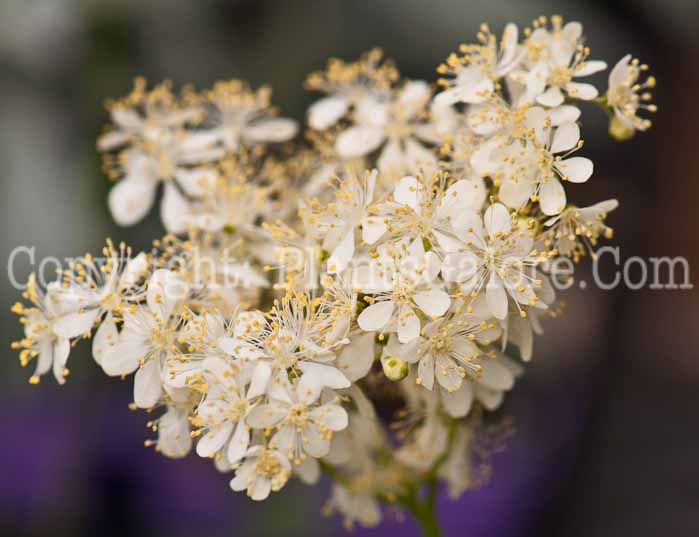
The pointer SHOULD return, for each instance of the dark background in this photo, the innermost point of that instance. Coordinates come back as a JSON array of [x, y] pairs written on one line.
[[607, 435]]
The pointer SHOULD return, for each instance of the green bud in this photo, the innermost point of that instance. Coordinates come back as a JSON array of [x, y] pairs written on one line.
[[229, 229], [394, 368]]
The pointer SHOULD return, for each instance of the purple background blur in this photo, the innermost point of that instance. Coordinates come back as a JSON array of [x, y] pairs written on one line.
[[607, 428]]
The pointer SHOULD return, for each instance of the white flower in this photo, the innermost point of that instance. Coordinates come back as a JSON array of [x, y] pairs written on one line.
[[423, 209], [397, 122], [40, 340], [294, 337], [304, 427], [92, 290], [555, 58], [335, 223], [627, 95], [152, 125], [496, 256], [263, 471], [355, 506], [245, 117], [401, 281], [221, 413], [449, 352], [148, 337], [174, 438], [578, 228], [477, 71], [534, 167], [347, 84]]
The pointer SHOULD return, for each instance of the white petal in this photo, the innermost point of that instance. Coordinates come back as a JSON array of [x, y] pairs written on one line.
[[563, 114], [471, 86], [105, 338], [425, 371], [496, 296], [315, 443], [123, 358], [356, 358], [264, 416], [334, 417], [373, 228], [326, 112], [212, 441], [61, 350], [135, 269], [327, 375], [271, 130], [196, 182], [565, 138], [75, 324], [490, 399], [308, 471], [590, 67], [112, 139], [586, 92], [165, 289], [418, 158], [260, 490], [514, 194], [576, 169], [130, 199], [619, 73], [508, 46], [457, 403], [496, 376], [497, 219], [392, 161], [406, 193], [358, 141], [551, 97], [552, 197], [342, 254], [408, 325], [174, 210], [376, 316], [413, 96], [260, 379], [147, 387], [434, 302], [126, 118]]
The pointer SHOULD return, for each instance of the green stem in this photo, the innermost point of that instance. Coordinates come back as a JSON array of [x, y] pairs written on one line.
[[423, 512]]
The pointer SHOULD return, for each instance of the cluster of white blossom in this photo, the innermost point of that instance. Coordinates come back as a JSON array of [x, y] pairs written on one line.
[[357, 303]]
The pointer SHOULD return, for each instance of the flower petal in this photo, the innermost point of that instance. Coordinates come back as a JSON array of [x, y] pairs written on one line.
[[565, 138], [434, 302], [376, 316], [496, 296], [497, 219], [552, 197], [147, 386], [586, 92], [75, 324], [358, 141], [576, 169], [130, 199], [326, 112]]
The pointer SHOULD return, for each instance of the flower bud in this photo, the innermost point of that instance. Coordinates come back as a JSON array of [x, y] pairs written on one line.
[[619, 131], [394, 368]]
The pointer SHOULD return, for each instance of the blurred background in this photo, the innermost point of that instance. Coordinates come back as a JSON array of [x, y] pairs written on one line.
[[607, 428]]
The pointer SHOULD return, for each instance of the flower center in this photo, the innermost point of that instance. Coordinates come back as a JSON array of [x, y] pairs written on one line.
[[268, 465]]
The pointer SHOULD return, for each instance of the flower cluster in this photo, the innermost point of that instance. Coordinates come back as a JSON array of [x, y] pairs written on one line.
[[356, 303]]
